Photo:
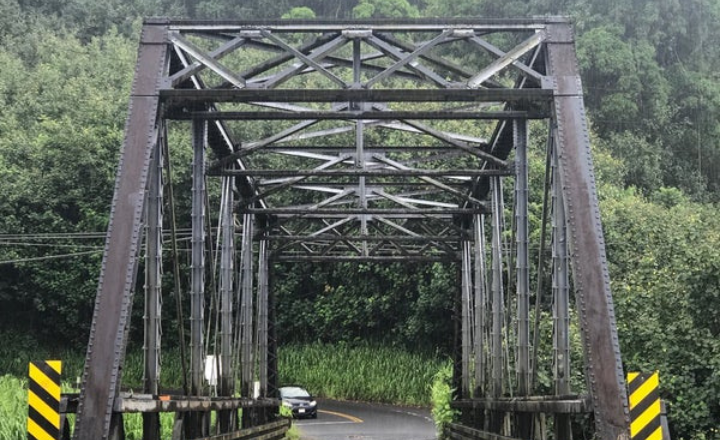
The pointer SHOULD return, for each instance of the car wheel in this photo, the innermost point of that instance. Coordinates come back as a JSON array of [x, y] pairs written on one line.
[[314, 416]]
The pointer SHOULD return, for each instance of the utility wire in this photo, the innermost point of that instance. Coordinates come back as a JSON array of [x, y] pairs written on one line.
[[49, 257], [75, 246]]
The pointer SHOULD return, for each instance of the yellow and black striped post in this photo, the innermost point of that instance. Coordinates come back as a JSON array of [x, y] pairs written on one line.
[[645, 407], [44, 400]]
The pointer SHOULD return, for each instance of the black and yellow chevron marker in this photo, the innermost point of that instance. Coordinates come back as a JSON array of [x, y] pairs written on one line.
[[44, 400], [645, 406]]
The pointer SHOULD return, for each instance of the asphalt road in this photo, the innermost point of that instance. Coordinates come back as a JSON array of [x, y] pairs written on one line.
[[362, 421]]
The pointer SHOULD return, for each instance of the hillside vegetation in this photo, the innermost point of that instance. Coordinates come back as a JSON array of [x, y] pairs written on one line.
[[653, 94]]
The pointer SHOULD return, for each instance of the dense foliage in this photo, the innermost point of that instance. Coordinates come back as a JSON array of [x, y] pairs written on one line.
[[360, 372], [649, 71]]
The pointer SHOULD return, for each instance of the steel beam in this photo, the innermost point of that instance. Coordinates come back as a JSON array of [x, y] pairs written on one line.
[[362, 211], [246, 306], [507, 59], [466, 318], [107, 343], [587, 246], [262, 317], [369, 258], [397, 25], [522, 272], [365, 172], [496, 388], [227, 259], [330, 115], [554, 405], [561, 299], [197, 265], [151, 404], [205, 96], [153, 289], [480, 302], [522, 259]]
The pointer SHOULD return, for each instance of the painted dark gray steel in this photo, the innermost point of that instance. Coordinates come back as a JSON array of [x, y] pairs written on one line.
[[227, 285], [561, 298], [363, 200], [523, 259], [481, 290], [587, 246], [350, 115], [153, 290], [106, 347], [460, 94], [226, 420], [497, 302], [197, 260]]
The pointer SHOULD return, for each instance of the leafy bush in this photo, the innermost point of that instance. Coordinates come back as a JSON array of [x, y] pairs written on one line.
[[441, 395]]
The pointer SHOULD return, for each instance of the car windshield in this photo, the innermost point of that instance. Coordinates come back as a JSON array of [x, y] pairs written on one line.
[[293, 392]]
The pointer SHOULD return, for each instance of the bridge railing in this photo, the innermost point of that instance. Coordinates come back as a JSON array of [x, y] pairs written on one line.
[[263, 415], [456, 431]]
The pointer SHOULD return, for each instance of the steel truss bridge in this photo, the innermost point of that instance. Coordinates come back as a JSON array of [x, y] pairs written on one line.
[[359, 141]]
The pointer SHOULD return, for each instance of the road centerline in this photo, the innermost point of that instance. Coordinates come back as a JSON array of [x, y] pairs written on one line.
[[343, 415]]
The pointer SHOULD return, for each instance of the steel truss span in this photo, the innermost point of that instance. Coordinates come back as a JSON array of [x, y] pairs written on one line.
[[358, 141]]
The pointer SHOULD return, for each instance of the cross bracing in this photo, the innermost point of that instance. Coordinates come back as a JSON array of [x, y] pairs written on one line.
[[364, 141], [359, 133]]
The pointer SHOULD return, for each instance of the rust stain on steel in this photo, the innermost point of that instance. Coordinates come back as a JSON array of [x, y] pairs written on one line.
[[106, 346], [591, 279]]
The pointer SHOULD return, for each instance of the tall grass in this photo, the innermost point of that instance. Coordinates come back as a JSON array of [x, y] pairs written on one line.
[[366, 372], [14, 412], [134, 425], [13, 408]]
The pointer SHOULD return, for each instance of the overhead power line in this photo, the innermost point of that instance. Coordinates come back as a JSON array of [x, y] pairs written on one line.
[[49, 257]]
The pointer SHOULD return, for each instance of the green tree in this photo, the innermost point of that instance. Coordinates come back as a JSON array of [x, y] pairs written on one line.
[[664, 258], [62, 128], [301, 13], [384, 9]]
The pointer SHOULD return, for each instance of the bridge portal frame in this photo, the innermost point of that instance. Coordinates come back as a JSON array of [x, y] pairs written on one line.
[[379, 208]]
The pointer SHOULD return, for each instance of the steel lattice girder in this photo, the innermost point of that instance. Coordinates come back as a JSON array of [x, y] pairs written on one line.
[[375, 169], [365, 69]]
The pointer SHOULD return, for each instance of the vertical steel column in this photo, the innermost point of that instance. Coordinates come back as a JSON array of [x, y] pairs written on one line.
[[273, 379], [479, 347], [246, 318], [540, 288], [197, 259], [360, 161], [227, 260], [586, 243], [108, 332], [153, 284], [227, 263], [262, 317], [179, 315], [465, 311], [246, 306], [522, 260], [480, 322], [561, 302], [522, 273], [496, 334], [497, 293]]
